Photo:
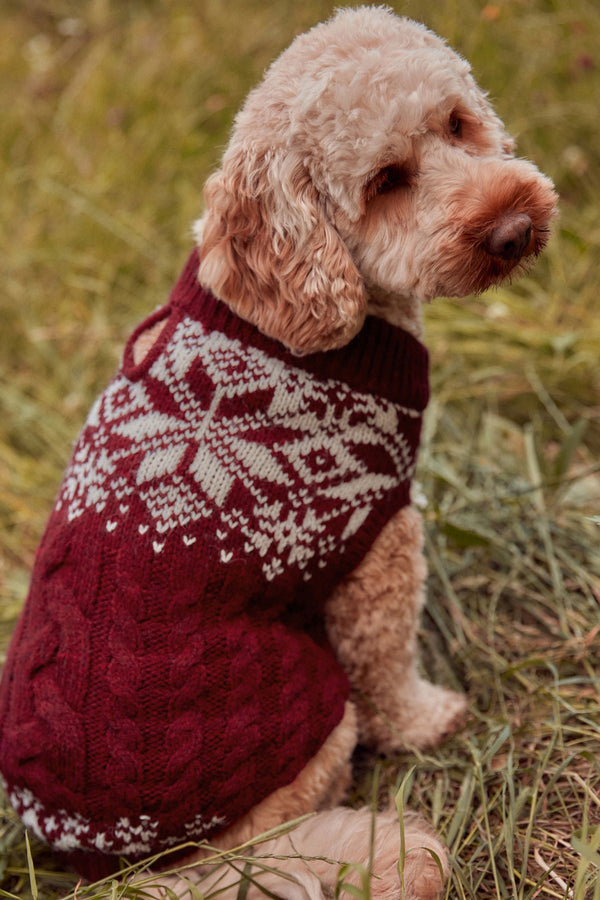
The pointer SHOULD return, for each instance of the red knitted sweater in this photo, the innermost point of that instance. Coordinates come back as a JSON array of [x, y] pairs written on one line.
[[170, 668]]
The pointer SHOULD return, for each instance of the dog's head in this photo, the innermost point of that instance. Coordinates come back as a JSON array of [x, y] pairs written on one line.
[[366, 164]]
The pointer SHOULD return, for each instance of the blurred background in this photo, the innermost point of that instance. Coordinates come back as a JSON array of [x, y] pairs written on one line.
[[113, 114]]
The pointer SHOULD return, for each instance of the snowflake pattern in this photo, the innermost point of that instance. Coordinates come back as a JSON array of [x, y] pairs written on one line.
[[213, 413]]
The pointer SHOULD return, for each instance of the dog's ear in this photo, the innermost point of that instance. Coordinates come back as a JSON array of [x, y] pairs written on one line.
[[269, 251]]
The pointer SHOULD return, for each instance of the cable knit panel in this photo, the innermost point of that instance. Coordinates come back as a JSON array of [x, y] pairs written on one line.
[[170, 669]]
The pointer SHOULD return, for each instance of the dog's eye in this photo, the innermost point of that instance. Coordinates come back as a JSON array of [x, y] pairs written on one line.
[[455, 125], [388, 179]]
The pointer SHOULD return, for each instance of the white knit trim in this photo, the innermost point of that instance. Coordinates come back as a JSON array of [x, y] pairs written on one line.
[[131, 837], [222, 447]]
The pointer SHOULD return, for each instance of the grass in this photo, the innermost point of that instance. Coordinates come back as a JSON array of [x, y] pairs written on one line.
[[113, 115]]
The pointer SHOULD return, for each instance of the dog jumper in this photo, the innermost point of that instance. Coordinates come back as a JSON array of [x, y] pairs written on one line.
[[170, 668]]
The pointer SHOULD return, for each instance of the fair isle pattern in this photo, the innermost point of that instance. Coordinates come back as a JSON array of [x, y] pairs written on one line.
[[71, 831], [299, 445]]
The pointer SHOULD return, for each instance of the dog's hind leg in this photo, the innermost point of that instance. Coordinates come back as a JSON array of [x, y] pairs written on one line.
[[348, 847], [322, 855], [372, 621]]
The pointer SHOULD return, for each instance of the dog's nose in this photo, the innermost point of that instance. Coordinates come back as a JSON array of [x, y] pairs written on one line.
[[509, 236]]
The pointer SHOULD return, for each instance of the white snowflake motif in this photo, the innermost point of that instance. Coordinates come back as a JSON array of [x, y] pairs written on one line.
[[213, 415]]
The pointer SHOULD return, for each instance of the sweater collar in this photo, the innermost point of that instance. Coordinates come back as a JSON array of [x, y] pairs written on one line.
[[382, 359]]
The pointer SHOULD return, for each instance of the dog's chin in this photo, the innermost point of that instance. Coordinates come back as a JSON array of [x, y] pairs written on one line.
[[476, 270]]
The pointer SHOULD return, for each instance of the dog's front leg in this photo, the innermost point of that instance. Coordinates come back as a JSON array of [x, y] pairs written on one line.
[[372, 621]]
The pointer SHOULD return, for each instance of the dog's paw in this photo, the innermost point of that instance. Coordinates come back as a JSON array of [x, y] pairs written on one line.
[[424, 874], [439, 713], [420, 718], [419, 873]]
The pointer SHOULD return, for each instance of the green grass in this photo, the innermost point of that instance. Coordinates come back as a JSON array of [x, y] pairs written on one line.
[[112, 116]]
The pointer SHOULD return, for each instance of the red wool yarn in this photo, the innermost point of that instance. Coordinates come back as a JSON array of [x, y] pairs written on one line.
[[170, 668]]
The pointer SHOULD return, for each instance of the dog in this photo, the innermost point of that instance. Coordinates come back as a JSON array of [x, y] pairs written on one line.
[[227, 595]]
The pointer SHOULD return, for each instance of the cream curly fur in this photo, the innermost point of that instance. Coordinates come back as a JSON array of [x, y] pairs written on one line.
[[366, 174]]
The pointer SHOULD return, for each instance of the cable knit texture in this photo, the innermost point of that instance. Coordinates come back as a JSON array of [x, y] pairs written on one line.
[[170, 668]]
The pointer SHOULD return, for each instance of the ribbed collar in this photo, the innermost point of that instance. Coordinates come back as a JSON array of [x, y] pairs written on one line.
[[382, 359]]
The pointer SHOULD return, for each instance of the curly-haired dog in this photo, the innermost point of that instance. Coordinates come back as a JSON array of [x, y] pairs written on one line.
[[227, 595]]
